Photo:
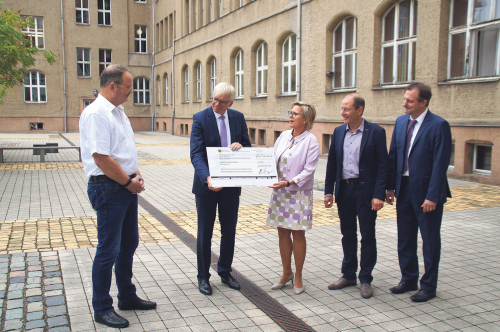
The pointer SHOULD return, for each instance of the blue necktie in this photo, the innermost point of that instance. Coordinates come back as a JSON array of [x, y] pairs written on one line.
[[223, 132], [408, 143]]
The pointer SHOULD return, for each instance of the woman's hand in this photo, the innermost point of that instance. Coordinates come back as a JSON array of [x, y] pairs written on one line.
[[278, 185]]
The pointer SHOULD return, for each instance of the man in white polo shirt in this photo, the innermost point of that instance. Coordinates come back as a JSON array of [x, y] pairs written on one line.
[[110, 162]]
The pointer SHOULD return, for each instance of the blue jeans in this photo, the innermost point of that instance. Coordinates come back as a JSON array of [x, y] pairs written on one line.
[[118, 238]]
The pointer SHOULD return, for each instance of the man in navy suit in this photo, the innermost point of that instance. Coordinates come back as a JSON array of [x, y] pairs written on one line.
[[418, 161], [357, 167], [216, 126]]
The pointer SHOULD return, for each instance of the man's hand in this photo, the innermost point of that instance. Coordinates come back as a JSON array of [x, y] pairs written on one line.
[[136, 186], [389, 196], [235, 146], [429, 206], [328, 201], [209, 182], [377, 204], [141, 179]]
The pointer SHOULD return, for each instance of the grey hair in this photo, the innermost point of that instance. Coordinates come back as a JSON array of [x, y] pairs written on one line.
[[308, 113], [223, 89], [112, 73]]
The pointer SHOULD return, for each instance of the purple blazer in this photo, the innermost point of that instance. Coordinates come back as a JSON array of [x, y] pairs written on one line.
[[303, 160]]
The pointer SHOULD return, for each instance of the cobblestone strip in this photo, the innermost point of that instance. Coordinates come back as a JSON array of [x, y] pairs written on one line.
[[31, 292]]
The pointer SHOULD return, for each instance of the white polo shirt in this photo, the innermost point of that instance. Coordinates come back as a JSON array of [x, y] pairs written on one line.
[[105, 129]]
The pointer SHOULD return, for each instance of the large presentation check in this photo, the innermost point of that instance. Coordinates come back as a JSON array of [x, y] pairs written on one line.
[[243, 167]]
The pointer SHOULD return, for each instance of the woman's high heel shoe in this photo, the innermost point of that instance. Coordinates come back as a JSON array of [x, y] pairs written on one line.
[[280, 286], [298, 290]]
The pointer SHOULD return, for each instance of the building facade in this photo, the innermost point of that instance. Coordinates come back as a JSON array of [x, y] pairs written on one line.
[[276, 52]]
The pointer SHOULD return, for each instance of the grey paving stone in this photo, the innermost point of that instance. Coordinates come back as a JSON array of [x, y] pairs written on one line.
[[57, 321], [60, 329], [54, 300], [13, 325], [17, 280], [34, 299], [56, 311], [17, 294], [35, 324], [14, 314], [35, 306], [12, 304], [34, 315], [54, 287]]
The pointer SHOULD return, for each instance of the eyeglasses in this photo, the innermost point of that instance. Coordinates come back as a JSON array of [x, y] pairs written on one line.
[[220, 102], [128, 87], [343, 109], [293, 114]]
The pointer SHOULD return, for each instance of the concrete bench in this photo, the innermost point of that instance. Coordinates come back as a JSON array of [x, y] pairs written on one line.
[[41, 149]]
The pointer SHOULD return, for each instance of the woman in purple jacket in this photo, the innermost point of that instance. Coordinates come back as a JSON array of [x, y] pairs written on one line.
[[296, 153]]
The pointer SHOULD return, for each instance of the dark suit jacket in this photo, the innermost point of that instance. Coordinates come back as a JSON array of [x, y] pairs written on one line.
[[205, 133], [428, 160], [373, 162]]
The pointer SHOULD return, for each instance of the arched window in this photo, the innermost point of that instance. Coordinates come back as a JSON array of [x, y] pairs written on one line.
[[35, 90], [186, 84], [344, 54], [198, 82], [289, 65], [239, 71], [158, 89], [166, 89], [141, 91], [474, 32], [213, 77], [261, 84], [399, 39]]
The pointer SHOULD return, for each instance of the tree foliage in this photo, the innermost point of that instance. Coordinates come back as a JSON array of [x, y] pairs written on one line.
[[17, 50]]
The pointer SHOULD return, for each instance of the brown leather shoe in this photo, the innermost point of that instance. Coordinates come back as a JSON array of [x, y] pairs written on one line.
[[343, 282], [366, 291]]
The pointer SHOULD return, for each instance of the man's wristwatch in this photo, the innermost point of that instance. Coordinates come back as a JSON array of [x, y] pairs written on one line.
[[288, 183], [128, 182]]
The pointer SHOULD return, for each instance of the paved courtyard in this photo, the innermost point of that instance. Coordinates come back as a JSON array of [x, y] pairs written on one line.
[[48, 238]]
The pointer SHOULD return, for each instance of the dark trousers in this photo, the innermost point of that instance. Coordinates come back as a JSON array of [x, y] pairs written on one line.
[[411, 217], [351, 204], [228, 201], [118, 238]]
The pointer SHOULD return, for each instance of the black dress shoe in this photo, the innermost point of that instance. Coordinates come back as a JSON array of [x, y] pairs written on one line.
[[137, 305], [204, 287], [231, 282], [403, 287], [111, 319], [423, 295]]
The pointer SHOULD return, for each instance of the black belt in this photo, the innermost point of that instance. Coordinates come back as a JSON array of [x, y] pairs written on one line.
[[103, 178], [351, 181]]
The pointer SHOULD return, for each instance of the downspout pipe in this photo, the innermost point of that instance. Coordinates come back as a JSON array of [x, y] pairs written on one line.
[[153, 71], [299, 49], [64, 71], [172, 76]]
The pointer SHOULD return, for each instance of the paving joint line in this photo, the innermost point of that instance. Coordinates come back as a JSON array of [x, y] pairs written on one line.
[[272, 308], [67, 140]]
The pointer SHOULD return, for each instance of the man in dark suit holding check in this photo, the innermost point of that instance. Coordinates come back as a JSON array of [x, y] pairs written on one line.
[[357, 167], [216, 126], [418, 161]]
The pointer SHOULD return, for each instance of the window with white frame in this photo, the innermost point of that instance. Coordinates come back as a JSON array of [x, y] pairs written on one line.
[[141, 1], [399, 39], [238, 74], [83, 62], [198, 82], [104, 12], [344, 54], [158, 89], [141, 91], [482, 159], [261, 84], [104, 59], [289, 65], [87, 102], [186, 84], [35, 30], [166, 89], [82, 11], [35, 88], [141, 39], [213, 77], [473, 40]]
